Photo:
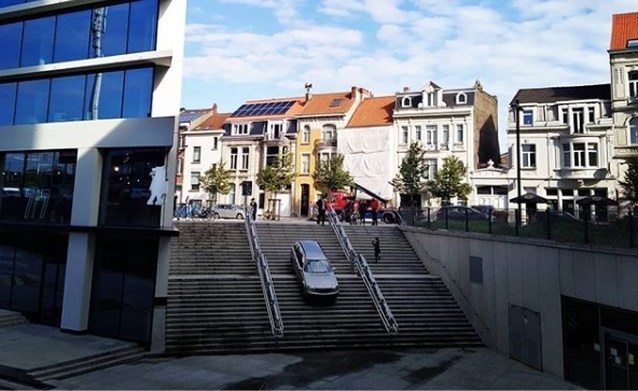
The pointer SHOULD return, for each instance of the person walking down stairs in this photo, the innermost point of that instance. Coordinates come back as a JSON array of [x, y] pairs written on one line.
[[377, 249]]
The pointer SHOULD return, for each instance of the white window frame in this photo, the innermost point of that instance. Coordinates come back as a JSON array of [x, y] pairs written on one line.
[[329, 133], [305, 135], [459, 134], [240, 129], [232, 193], [578, 120], [528, 156], [632, 85], [234, 151], [405, 135], [305, 163], [432, 168], [581, 158], [431, 136], [446, 135], [245, 158], [417, 132], [528, 117], [197, 154], [215, 143], [406, 101], [195, 180], [461, 98], [324, 156]]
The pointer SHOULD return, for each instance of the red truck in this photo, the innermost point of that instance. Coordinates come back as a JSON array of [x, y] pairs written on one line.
[[340, 199]]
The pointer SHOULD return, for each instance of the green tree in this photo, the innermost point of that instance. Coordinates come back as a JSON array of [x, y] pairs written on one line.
[[629, 185], [411, 179], [330, 175], [216, 180], [448, 182], [277, 175]]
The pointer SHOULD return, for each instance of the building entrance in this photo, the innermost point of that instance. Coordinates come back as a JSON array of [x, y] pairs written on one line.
[[621, 362]]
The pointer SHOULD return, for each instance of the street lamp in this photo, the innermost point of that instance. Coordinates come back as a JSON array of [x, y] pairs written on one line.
[[517, 109]]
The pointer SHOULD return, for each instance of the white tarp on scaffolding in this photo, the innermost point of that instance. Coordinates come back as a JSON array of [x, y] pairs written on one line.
[[369, 158]]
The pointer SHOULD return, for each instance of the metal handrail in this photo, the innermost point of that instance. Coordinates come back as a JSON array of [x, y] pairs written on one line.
[[359, 263], [267, 285]]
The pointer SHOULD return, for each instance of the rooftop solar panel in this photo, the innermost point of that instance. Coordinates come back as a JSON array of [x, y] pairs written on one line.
[[190, 115], [264, 108]]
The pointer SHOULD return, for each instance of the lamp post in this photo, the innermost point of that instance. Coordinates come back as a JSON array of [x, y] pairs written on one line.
[[517, 109]]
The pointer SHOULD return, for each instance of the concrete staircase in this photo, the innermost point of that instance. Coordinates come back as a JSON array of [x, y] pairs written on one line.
[[425, 310], [215, 301], [11, 318]]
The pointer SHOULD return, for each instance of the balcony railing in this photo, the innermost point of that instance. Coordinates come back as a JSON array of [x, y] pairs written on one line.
[[328, 142]]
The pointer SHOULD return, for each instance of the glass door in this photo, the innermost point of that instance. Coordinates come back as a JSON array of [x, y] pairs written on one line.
[[621, 363]]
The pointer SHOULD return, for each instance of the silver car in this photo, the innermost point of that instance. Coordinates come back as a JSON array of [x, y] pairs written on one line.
[[227, 211], [313, 270]]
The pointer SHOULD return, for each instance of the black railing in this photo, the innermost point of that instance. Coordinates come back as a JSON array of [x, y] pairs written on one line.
[[606, 227]]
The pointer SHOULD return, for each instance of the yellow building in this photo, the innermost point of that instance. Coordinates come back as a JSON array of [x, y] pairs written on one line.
[[318, 123]]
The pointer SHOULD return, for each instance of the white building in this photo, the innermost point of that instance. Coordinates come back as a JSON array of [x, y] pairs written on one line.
[[88, 117], [459, 122], [202, 149], [566, 144]]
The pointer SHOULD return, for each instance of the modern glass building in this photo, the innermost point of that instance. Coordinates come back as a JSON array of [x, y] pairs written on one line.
[[88, 124]]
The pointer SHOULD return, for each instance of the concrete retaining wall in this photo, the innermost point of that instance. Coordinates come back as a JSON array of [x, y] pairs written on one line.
[[528, 273]]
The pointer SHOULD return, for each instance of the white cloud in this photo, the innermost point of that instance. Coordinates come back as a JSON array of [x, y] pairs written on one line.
[[384, 45]]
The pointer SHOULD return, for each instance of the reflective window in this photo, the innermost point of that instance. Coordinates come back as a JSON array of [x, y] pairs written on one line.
[[124, 286], [120, 94], [37, 186], [137, 92], [67, 99], [133, 187], [7, 103], [37, 42], [10, 38], [77, 26], [32, 102], [128, 27], [6, 3]]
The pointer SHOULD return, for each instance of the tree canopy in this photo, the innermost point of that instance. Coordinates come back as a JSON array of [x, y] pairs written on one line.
[[411, 179], [277, 175], [448, 182], [330, 174], [629, 184], [216, 180]]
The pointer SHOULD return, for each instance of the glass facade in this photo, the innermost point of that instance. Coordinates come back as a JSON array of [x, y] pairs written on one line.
[[114, 94], [119, 28], [37, 186], [32, 272], [123, 287], [132, 187]]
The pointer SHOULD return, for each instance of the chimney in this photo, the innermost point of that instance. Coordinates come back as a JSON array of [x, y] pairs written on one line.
[[308, 87], [214, 108], [406, 89]]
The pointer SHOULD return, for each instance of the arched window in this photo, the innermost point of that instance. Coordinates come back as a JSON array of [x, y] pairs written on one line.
[[406, 101], [329, 133], [461, 98], [633, 131]]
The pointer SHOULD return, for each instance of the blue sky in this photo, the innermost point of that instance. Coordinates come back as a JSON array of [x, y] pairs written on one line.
[[237, 50]]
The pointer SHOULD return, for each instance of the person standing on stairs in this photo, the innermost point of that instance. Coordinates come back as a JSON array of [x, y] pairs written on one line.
[[321, 209], [253, 209], [377, 249]]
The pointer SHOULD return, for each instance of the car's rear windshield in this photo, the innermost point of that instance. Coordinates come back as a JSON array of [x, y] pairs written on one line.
[[319, 266]]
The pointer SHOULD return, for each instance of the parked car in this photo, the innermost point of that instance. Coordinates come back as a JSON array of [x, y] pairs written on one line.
[[555, 216], [227, 211], [313, 270], [460, 212], [491, 210]]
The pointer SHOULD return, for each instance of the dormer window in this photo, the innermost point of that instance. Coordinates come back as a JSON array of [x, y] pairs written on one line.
[[406, 101], [239, 129], [528, 117], [431, 96], [336, 102], [633, 84], [461, 98], [632, 43]]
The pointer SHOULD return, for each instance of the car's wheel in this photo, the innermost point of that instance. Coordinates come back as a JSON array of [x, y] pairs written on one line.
[[215, 216], [239, 216], [388, 218]]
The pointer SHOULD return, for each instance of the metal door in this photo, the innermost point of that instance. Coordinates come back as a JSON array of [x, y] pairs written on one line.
[[525, 336]]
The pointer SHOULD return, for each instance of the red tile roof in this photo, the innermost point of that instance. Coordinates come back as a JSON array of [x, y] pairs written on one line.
[[331, 103], [373, 112], [214, 122], [623, 28]]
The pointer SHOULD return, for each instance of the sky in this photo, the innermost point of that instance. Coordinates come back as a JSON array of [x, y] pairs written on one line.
[[239, 50]]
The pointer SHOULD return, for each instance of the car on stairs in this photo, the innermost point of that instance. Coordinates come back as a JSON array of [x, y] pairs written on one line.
[[313, 270]]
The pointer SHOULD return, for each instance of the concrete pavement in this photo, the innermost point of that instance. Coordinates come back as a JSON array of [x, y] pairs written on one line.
[[26, 347]]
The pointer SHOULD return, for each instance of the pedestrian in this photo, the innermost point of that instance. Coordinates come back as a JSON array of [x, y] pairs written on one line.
[[321, 210], [363, 208], [374, 205], [377, 249], [253, 209]]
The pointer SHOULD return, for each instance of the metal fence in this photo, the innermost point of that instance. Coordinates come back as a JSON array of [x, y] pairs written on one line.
[[606, 227]]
